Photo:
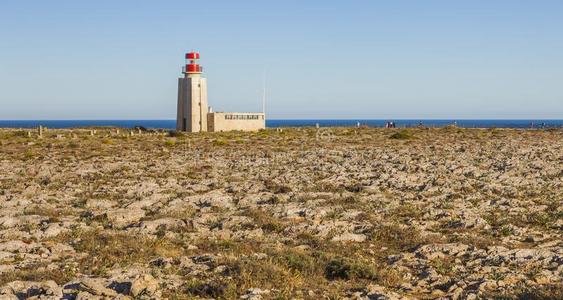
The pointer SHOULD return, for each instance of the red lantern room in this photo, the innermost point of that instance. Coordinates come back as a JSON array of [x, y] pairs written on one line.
[[192, 66], [192, 55]]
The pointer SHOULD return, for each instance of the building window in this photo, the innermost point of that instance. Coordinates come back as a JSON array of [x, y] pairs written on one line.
[[243, 117]]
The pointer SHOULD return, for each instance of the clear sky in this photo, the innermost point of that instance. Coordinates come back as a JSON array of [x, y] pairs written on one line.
[[110, 59]]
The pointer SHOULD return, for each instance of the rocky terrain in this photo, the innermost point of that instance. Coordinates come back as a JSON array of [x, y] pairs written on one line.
[[330, 213]]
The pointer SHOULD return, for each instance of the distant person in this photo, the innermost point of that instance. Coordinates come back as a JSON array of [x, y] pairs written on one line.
[[420, 125], [542, 125]]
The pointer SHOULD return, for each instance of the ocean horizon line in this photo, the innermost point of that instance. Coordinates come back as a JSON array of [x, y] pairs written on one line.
[[170, 124], [298, 119]]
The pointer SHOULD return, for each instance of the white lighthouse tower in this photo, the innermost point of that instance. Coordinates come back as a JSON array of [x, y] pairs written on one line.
[[192, 97], [193, 112]]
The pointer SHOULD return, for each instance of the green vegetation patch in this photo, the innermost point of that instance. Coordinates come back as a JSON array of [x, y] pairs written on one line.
[[402, 135]]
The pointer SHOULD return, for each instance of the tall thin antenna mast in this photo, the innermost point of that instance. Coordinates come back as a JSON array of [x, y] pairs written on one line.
[[264, 92]]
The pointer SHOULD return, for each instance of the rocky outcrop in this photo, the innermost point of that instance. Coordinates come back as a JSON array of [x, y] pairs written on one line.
[[446, 213]]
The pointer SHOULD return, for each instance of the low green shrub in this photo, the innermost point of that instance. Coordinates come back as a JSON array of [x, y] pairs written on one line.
[[401, 135], [340, 268]]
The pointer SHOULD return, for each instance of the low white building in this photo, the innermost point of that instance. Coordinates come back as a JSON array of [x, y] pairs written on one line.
[[194, 114]]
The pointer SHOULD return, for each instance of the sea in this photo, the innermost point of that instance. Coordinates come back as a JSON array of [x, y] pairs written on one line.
[[400, 123]]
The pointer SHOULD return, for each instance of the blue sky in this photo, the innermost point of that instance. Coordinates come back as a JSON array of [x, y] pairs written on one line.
[[324, 59]]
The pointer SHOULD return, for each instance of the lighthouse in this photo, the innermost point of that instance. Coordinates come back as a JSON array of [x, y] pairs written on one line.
[[192, 97], [193, 113]]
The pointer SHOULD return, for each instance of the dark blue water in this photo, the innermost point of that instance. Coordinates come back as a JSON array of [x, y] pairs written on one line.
[[171, 124]]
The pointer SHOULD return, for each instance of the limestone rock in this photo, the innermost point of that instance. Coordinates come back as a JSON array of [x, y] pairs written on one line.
[[121, 218], [145, 285]]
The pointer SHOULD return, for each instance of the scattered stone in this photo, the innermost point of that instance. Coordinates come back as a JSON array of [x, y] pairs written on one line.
[[121, 218], [349, 237], [145, 285], [255, 294]]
